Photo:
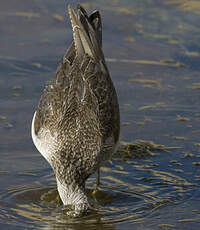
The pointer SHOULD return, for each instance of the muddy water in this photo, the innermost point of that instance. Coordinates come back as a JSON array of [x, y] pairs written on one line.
[[153, 53]]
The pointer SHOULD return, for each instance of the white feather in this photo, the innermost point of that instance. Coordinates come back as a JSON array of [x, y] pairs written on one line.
[[45, 143]]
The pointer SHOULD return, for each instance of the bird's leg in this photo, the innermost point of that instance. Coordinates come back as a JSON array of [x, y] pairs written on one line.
[[97, 183], [98, 179]]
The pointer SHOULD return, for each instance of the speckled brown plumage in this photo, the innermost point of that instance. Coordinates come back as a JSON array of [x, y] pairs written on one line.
[[76, 123]]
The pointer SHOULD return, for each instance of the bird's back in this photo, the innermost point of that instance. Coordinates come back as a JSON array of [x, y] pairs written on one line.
[[79, 106]]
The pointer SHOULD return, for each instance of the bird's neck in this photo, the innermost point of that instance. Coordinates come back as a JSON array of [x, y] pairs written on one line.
[[73, 195]]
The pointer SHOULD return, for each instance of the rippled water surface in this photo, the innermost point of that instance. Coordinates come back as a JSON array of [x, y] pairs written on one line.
[[153, 53]]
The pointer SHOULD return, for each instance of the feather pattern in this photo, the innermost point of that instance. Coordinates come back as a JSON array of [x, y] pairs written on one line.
[[76, 123]]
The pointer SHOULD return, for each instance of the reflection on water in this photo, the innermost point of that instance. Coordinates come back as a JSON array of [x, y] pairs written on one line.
[[152, 50], [123, 199], [191, 6], [117, 202]]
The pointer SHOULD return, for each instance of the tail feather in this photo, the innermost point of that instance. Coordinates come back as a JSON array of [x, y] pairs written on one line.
[[92, 25], [86, 33], [95, 20]]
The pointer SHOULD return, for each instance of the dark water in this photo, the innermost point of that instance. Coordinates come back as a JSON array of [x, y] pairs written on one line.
[[153, 53]]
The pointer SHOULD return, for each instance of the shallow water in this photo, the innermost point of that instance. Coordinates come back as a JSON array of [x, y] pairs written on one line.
[[153, 53]]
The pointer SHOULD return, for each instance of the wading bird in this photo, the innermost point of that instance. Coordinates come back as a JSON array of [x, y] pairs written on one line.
[[76, 124]]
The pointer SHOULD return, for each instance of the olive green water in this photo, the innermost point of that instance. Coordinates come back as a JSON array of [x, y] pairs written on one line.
[[153, 53]]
